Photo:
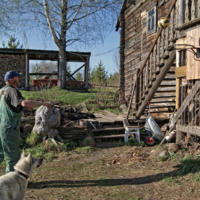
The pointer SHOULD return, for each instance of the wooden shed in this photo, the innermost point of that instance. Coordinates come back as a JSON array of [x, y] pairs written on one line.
[[18, 60]]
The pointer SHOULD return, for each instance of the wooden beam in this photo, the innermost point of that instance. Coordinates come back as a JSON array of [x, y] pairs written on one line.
[[86, 72], [131, 99], [180, 72], [157, 82], [188, 24], [177, 92], [193, 130], [77, 69], [27, 72]]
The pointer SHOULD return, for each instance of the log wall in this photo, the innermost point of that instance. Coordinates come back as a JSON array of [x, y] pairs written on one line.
[[138, 42], [12, 62]]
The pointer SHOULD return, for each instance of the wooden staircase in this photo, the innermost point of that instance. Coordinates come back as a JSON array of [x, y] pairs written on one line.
[[155, 82]]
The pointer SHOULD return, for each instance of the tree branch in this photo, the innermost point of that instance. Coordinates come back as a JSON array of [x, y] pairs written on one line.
[[46, 9]]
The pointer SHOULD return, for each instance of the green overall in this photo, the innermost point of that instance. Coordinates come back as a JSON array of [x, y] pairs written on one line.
[[9, 134]]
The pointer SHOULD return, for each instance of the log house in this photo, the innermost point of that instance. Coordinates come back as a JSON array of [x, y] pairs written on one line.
[[159, 65]]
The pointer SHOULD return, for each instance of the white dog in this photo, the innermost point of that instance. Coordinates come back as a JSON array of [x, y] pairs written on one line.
[[13, 185]]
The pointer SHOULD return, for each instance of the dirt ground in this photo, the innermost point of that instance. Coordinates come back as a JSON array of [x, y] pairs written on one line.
[[125, 172]]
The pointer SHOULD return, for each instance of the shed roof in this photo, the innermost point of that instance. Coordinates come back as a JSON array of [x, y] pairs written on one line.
[[34, 54]]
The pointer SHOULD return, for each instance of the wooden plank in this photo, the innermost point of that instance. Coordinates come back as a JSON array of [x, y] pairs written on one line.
[[198, 8], [126, 123], [109, 129], [186, 11], [180, 72], [109, 136], [193, 66], [177, 92], [193, 130], [102, 118]]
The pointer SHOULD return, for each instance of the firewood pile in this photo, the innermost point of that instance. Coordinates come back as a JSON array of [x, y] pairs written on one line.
[[68, 129], [71, 83], [12, 62]]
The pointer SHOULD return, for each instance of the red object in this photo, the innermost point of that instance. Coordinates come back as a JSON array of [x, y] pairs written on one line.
[[49, 82], [149, 140], [148, 102]]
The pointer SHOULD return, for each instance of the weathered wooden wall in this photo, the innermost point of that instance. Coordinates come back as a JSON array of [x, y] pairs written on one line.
[[138, 42], [193, 64], [12, 62]]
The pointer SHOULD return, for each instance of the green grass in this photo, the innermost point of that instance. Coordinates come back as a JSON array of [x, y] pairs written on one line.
[[87, 148], [57, 94], [134, 142], [116, 111], [104, 97], [162, 158]]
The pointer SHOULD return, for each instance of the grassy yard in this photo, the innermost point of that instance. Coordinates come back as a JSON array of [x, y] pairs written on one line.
[[93, 97]]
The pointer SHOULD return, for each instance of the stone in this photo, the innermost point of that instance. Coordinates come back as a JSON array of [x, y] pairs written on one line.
[[46, 122], [173, 148], [123, 108], [163, 153]]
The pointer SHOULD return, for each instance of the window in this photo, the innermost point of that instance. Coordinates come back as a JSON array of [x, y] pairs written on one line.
[[151, 21]]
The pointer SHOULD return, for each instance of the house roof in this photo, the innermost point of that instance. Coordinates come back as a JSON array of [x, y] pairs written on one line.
[[34, 54], [121, 12]]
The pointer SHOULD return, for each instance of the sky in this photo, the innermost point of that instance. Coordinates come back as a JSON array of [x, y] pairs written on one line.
[[111, 42]]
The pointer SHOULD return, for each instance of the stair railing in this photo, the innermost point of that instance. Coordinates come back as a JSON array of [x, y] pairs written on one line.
[[156, 56]]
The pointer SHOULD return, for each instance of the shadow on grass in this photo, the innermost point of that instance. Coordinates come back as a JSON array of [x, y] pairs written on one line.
[[187, 166]]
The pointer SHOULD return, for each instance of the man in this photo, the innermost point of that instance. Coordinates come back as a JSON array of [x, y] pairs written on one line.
[[11, 106]]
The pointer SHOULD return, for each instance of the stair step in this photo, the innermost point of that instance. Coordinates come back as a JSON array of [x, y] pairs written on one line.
[[167, 86], [109, 136], [160, 91], [164, 106], [164, 111], [108, 129], [151, 102]]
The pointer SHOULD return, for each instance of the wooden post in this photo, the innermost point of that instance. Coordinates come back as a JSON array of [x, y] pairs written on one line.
[[136, 90], [179, 135], [180, 13], [131, 99], [198, 8], [86, 72], [193, 10], [121, 57], [27, 73], [186, 11], [172, 27]]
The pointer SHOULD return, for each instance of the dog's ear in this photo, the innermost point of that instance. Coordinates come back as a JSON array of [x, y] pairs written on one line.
[[23, 154], [29, 158]]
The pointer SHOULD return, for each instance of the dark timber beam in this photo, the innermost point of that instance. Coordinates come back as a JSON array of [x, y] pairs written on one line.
[[157, 82]]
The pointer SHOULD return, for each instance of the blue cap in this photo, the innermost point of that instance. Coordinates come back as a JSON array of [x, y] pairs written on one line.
[[11, 74]]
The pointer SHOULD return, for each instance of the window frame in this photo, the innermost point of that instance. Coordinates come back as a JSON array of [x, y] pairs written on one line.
[[154, 20]]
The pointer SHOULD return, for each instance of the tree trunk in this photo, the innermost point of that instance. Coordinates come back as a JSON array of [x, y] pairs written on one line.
[[62, 68]]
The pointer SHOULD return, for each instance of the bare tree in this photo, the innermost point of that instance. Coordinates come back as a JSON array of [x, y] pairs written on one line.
[[115, 59], [69, 21]]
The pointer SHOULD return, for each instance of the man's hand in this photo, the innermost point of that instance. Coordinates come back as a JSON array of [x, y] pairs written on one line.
[[29, 108], [47, 104]]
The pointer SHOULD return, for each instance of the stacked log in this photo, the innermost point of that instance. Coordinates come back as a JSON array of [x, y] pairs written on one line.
[[71, 83], [12, 62], [71, 130]]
